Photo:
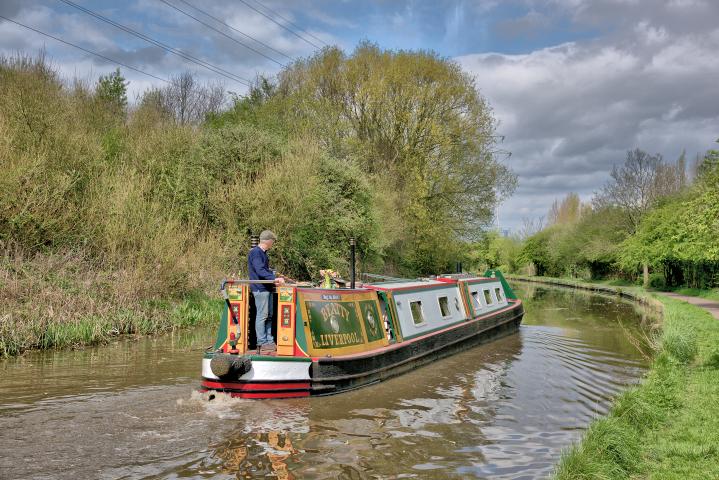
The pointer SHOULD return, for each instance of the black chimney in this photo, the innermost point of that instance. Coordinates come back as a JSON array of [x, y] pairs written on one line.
[[352, 262]]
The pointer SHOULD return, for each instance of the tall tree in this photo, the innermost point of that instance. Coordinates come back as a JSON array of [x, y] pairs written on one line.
[[111, 89], [416, 121], [569, 210], [708, 167], [185, 99], [639, 183]]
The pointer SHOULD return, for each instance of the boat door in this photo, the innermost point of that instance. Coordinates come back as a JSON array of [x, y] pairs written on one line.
[[387, 317]]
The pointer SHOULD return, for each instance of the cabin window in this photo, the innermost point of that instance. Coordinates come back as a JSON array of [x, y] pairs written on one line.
[[475, 301], [498, 293], [417, 315], [444, 307], [488, 297]]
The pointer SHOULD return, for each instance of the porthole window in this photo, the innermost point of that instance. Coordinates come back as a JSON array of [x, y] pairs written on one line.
[[444, 307], [488, 297], [475, 301], [417, 315], [456, 303], [498, 293]]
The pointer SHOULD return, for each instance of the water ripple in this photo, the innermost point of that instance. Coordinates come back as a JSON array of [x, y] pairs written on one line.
[[501, 411]]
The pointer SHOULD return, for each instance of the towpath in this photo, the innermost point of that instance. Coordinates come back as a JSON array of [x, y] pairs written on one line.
[[709, 305]]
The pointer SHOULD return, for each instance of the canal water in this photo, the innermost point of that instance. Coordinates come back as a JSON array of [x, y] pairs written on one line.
[[503, 410]]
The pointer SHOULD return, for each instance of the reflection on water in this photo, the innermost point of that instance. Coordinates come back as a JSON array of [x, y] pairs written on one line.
[[503, 410]]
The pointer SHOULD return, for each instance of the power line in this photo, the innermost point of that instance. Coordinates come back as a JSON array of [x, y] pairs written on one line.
[[87, 51], [213, 68], [222, 33], [167, 48], [278, 23], [236, 30], [290, 22]]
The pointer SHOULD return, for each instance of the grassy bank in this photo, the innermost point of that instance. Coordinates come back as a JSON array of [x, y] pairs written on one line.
[[668, 426], [64, 300]]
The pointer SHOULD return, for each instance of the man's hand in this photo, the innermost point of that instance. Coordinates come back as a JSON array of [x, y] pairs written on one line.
[[280, 281]]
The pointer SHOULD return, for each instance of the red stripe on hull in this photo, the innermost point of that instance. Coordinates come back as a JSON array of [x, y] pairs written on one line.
[[249, 387], [270, 395], [260, 390]]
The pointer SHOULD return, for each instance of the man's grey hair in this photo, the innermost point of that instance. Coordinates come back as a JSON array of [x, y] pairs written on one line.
[[267, 235]]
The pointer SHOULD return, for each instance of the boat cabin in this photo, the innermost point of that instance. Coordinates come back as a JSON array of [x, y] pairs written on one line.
[[319, 322]]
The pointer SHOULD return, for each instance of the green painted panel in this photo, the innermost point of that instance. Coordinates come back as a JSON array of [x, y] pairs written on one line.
[[334, 324], [299, 326], [222, 331], [372, 320]]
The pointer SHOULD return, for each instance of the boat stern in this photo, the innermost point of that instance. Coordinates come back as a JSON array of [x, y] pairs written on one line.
[[256, 376]]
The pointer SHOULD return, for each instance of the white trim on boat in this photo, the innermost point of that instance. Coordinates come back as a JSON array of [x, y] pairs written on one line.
[[267, 370], [207, 371]]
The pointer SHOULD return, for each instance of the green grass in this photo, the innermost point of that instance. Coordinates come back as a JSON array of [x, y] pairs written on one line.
[[668, 426]]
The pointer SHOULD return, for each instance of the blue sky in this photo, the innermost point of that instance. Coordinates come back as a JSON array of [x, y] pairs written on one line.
[[573, 83]]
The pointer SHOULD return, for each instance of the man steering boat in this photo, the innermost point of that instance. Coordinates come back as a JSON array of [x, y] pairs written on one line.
[[258, 267]]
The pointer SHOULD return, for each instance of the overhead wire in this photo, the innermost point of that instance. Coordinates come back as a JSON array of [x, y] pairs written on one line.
[[290, 22], [208, 66], [219, 20], [281, 25], [221, 32], [87, 51]]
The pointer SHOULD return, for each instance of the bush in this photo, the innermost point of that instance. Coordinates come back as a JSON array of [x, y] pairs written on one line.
[[657, 281], [679, 341]]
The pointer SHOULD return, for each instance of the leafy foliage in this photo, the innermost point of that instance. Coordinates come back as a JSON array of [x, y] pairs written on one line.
[[645, 215], [112, 91], [416, 125]]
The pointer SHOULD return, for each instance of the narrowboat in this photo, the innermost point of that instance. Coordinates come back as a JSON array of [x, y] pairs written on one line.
[[331, 340]]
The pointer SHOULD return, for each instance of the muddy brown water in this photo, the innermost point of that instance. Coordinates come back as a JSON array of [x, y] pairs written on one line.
[[502, 410]]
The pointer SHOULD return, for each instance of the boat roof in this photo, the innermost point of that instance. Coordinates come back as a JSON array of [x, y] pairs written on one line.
[[462, 276], [407, 284]]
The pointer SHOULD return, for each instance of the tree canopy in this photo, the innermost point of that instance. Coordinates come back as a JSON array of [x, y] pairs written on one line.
[[417, 128], [646, 214]]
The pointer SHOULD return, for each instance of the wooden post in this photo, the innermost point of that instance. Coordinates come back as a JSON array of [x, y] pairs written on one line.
[[645, 268]]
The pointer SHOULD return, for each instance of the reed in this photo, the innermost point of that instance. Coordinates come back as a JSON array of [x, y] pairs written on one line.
[[62, 300], [17, 337]]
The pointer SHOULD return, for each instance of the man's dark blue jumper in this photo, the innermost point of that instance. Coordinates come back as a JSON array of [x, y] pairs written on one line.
[[258, 266]]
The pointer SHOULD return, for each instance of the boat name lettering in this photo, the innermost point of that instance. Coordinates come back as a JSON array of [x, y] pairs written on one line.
[[330, 297], [334, 309], [339, 339]]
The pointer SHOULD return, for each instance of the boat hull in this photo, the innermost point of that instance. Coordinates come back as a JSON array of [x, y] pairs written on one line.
[[277, 377]]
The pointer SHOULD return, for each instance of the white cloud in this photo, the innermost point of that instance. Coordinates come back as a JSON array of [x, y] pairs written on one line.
[[650, 34], [569, 112]]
